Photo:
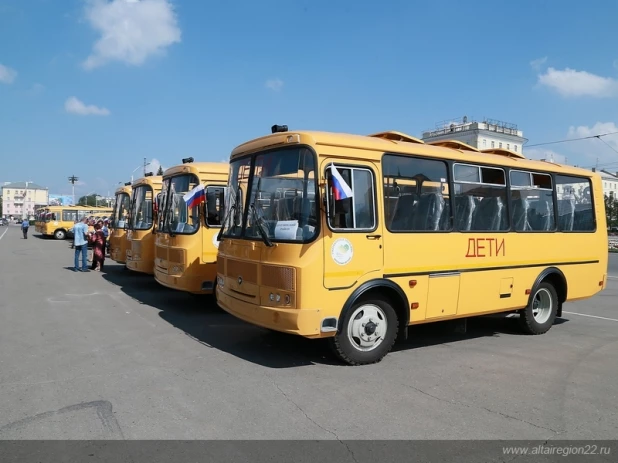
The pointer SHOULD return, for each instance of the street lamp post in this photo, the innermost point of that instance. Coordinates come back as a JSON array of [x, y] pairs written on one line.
[[72, 180], [140, 167]]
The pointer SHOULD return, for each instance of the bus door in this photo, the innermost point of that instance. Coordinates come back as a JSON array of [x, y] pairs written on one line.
[[353, 241]]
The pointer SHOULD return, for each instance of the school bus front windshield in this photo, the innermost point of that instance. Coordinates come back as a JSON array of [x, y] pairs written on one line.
[[123, 203], [176, 218], [141, 210], [281, 205]]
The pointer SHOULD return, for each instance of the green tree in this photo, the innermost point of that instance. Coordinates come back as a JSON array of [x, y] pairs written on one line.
[[611, 210], [90, 200], [0, 205], [160, 171]]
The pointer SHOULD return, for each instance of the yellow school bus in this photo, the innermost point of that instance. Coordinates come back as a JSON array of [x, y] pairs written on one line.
[[59, 219], [141, 230], [186, 242], [117, 239], [354, 238], [39, 219]]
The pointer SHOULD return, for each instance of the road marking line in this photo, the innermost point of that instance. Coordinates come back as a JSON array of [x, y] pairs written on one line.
[[7, 229], [608, 276], [592, 316]]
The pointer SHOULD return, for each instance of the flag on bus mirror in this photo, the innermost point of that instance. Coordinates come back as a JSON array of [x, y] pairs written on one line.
[[195, 197], [341, 190]]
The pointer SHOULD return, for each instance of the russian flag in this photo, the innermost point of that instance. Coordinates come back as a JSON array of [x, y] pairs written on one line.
[[194, 197], [341, 190]]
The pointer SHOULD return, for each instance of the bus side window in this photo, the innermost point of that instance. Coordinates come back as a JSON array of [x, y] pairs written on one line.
[[214, 206], [575, 211], [419, 197], [358, 211], [486, 207]]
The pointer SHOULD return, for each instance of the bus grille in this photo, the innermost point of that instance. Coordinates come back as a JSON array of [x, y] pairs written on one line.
[[161, 253], [177, 256], [221, 265], [279, 277], [247, 270]]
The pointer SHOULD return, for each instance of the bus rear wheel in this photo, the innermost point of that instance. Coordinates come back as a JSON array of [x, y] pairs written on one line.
[[540, 314], [60, 234], [368, 332]]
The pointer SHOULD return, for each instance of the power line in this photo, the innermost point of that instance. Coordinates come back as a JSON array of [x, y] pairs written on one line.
[[574, 139], [610, 146]]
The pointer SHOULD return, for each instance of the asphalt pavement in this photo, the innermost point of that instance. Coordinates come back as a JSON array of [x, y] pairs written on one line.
[[113, 355]]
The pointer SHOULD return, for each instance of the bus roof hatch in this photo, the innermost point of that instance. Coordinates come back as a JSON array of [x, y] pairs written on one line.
[[396, 136], [504, 152], [454, 144]]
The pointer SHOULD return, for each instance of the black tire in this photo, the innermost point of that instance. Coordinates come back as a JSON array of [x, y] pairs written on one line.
[[531, 325], [60, 234], [346, 349]]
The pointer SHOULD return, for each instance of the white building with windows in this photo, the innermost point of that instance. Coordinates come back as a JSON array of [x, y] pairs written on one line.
[[610, 183], [485, 134], [20, 198]]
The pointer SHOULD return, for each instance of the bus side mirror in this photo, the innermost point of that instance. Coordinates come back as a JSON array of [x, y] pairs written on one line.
[[329, 199]]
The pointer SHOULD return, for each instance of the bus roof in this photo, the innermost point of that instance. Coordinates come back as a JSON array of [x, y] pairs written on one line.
[[154, 180], [123, 189], [396, 142], [201, 169], [79, 207]]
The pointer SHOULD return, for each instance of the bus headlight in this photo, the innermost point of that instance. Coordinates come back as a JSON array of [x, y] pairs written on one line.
[[177, 269], [220, 281]]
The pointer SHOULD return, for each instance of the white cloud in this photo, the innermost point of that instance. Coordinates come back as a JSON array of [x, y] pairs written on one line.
[[7, 75], [536, 64], [599, 128], [274, 84], [573, 83], [75, 106], [130, 30]]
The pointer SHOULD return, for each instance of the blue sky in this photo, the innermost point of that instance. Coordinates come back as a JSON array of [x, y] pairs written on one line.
[[90, 88]]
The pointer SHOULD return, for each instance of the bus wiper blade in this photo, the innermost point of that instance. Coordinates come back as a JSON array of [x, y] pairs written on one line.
[[259, 222], [230, 213]]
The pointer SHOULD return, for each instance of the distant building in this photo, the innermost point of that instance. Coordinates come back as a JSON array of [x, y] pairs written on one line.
[[485, 134], [19, 199], [610, 183]]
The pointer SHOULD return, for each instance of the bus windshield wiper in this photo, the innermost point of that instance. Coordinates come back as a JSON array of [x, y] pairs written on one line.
[[230, 213], [260, 224]]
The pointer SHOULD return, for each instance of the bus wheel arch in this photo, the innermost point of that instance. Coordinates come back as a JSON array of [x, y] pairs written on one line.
[[545, 302], [60, 234], [381, 301]]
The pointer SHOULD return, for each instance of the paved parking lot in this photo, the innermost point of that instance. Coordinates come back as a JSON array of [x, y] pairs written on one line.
[[115, 356]]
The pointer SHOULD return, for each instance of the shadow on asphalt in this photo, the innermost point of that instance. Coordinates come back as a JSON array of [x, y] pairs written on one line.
[[202, 320]]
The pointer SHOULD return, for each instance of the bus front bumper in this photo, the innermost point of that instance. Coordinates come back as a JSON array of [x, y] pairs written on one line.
[[305, 322], [188, 284], [140, 265]]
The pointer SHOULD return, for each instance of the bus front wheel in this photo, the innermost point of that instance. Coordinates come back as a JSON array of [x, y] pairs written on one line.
[[540, 314], [59, 234], [367, 333]]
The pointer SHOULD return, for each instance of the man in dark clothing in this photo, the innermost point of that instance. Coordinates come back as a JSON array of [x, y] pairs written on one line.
[[24, 228]]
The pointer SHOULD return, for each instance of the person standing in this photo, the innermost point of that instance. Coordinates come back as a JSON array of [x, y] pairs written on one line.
[[80, 243], [98, 248], [24, 228]]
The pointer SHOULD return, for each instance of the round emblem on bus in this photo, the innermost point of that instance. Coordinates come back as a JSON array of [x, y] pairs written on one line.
[[240, 280], [215, 241], [341, 251]]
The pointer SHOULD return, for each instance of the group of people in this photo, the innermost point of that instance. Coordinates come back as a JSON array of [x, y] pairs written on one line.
[[82, 236]]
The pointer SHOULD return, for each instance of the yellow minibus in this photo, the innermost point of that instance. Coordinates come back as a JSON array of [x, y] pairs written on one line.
[[186, 241], [60, 219], [354, 238], [140, 235], [117, 237]]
